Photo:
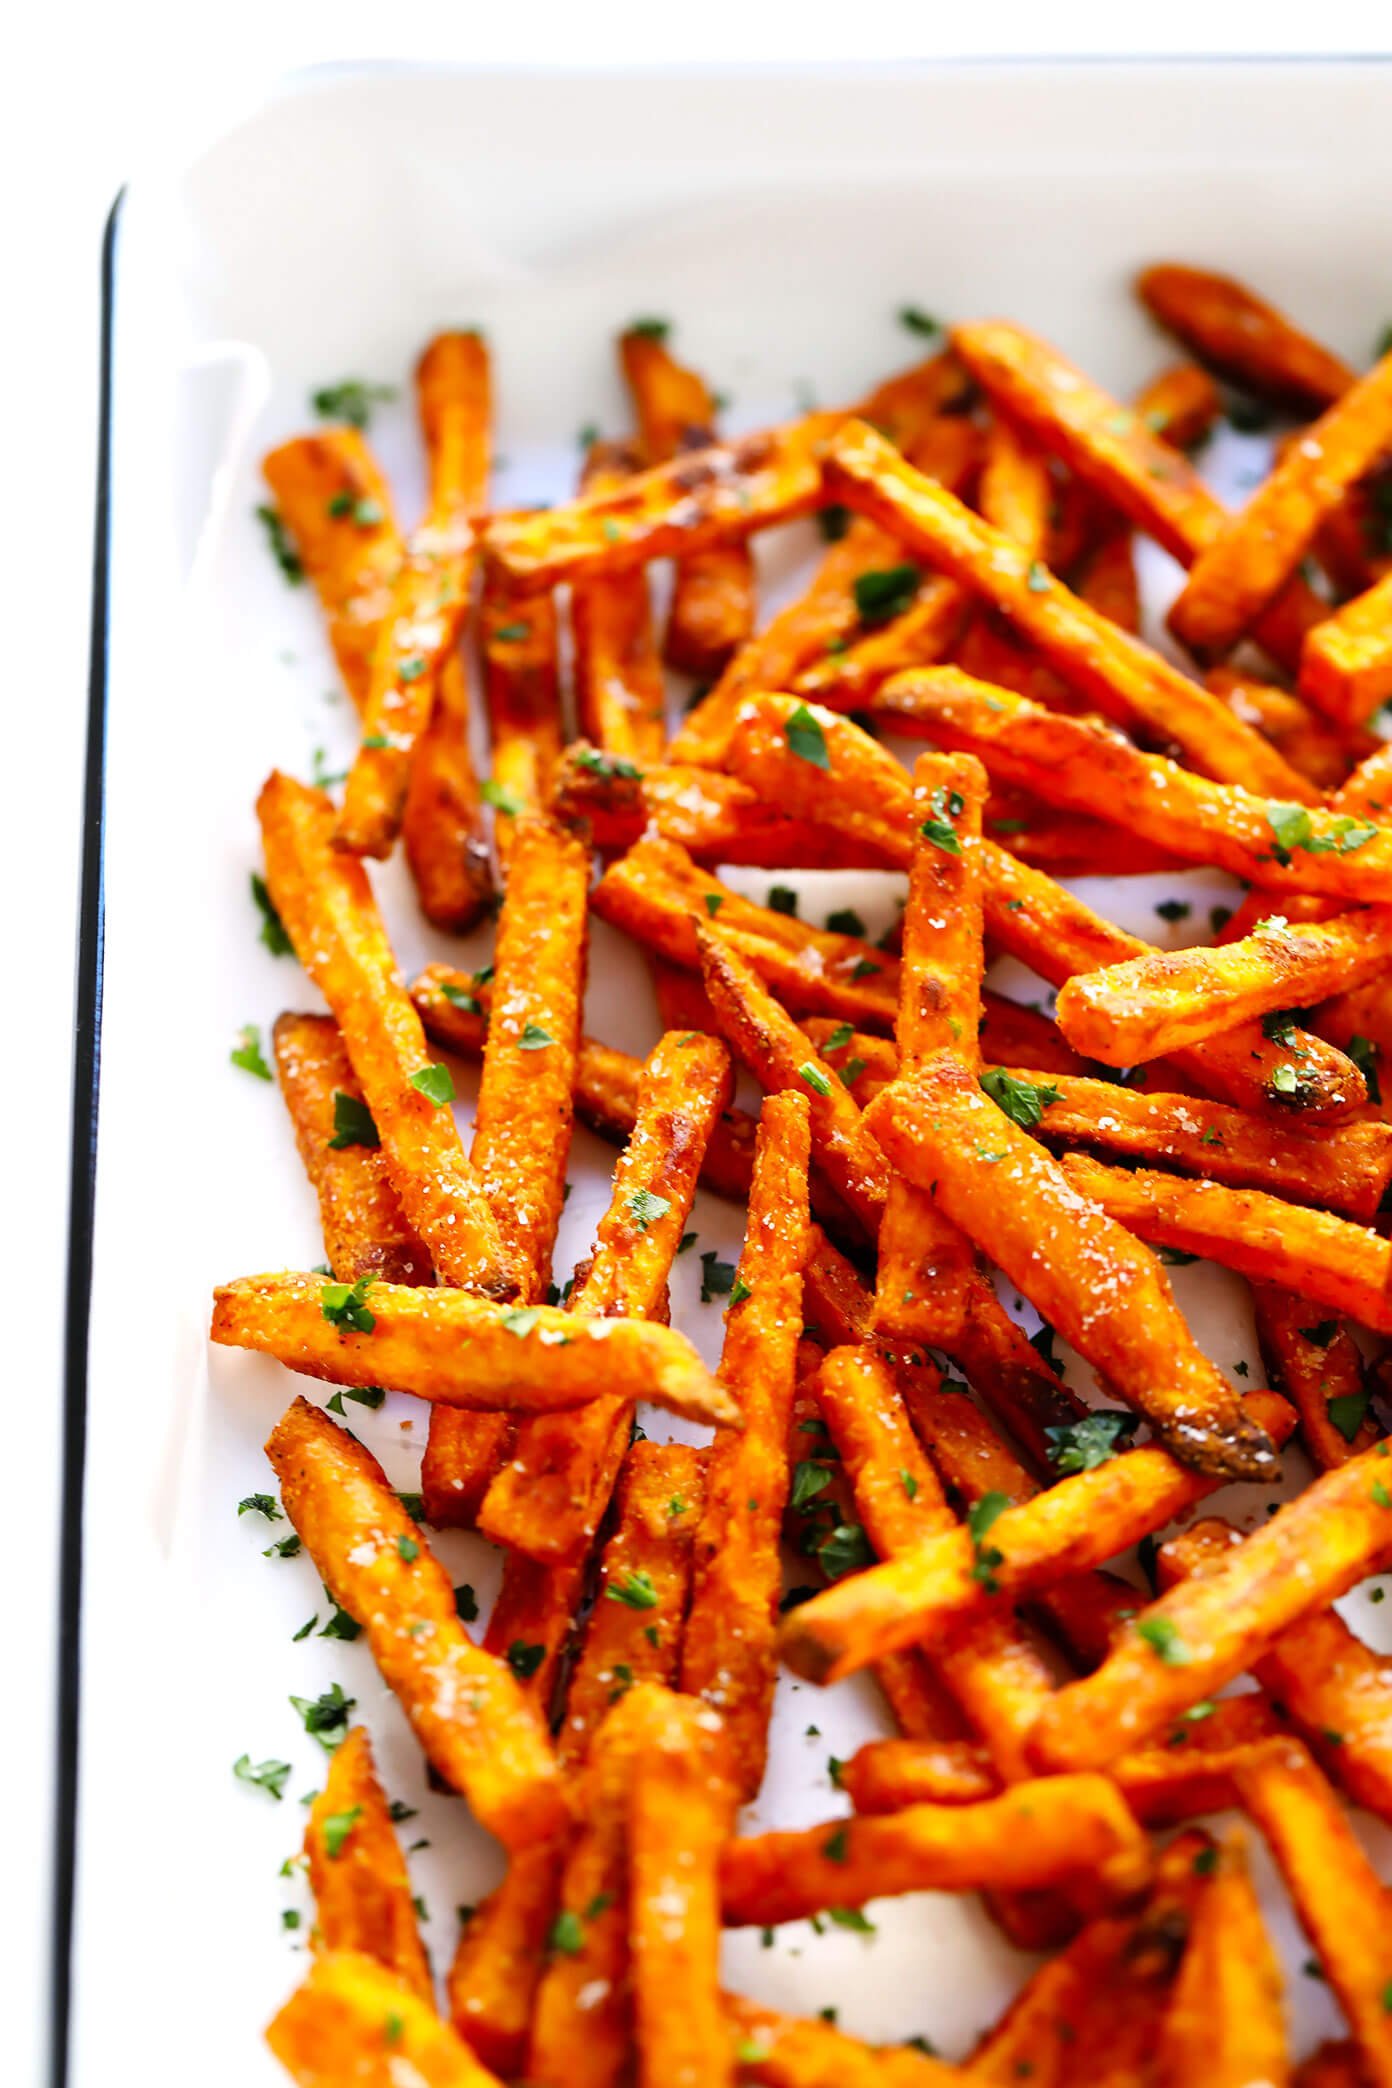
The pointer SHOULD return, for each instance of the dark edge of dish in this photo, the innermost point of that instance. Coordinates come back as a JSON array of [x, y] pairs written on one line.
[[81, 1201]]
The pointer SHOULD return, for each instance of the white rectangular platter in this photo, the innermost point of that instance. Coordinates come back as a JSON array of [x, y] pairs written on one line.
[[779, 219]]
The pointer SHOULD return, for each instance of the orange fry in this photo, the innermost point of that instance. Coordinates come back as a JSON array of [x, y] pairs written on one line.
[[464, 1706], [519, 643], [492, 1982], [1346, 666], [331, 496], [1182, 404], [1242, 337], [330, 915], [351, 2020], [1108, 666], [1317, 1364], [357, 1873], [1225, 2025], [618, 676], [1310, 742], [729, 1655], [779, 2051], [443, 829]]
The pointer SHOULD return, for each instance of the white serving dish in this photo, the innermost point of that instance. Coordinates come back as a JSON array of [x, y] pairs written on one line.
[[780, 217]]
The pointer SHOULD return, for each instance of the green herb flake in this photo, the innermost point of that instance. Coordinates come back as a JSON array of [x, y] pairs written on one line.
[[524, 1660], [1162, 1636], [886, 593], [534, 1038], [326, 1717], [248, 1053], [635, 1590], [916, 321], [809, 1480], [273, 933], [436, 1083], [644, 1208], [845, 1550], [352, 400], [1023, 1101], [806, 739], [281, 547], [259, 1504], [500, 798], [814, 1077], [982, 1517], [344, 1305], [266, 1776], [337, 1828], [1094, 1439], [353, 1125]]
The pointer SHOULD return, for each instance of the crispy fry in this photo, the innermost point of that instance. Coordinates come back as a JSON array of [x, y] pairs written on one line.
[[924, 1261], [1114, 670], [864, 792], [729, 1656], [1108, 581], [1235, 578], [780, 2051], [357, 1873], [523, 1119], [1317, 1365], [519, 642], [465, 1707], [365, 1229], [463, 1351], [703, 497], [1184, 1647], [331, 917], [713, 594], [332, 497], [443, 829], [680, 1812], [549, 1501], [634, 1633], [927, 630], [1327, 1260], [1047, 1832], [618, 676], [351, 2020], [1182, 404], [497, 1967], [1341, 1904], [429, 594], [1243, 338], [765, 1038], [1016, 493], [1310, 742], [1346, 666], [1083, 763], [1225, 2025], [1076, 1267], [535, 1609]]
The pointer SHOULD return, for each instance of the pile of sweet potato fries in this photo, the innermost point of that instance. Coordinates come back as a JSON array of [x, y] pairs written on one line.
[[919, 1134]]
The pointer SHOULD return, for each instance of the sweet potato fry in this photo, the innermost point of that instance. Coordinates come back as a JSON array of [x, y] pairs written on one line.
[[1075, 1266], [1182, 404], [1078, 762], [1108, 582], [1015, 494], [927, 631], [863, 791], [729, 1656], [714, 593], [330, 915], [1340, 1901], [718, 495], [535, 1610], [429, 593], [1225, 2024], [634, 1633], [680, 1813], [1346, 665], [550, 1500], [658, 895], [618, 676], [332, 497], [1048, 1832], [464, 1351], [357, 1873], [443, 829], [351, 2020], [765, 1038], [1111, 668], [1316, 1364], [779, 2051], [365, 1229], [924, 1262], [519, 642], [493, 1980], [1235, 578], [1326, 1260], [465, 1707], [1313, 744], [1183, 1648], [1334, 2064], [1244, 339]]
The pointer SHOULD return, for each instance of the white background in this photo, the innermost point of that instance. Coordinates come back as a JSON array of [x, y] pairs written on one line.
[[88, 95]]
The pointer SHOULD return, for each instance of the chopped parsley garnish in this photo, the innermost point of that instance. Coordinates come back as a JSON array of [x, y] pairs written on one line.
[[740, 1291], [1321, 1334], [1162, 1636], [814, 1077], [511, 633], [717, 1277], [886, 593], [714, 902], [981, 1519], [782, 899], [1347, 1412], [635, 1589], [1037, 577], [337, 1828], [1092, 1440], [534, 1038], [851, 1918], [407, 1549], [833, 521], [651, 329], [1364, 1054], [326, 1716], [916, 321], [500, 798], [282, 549], [353, 1125], [1174, 909], [809, 1480], [521, 1319], [352, 400], [436, 1083], [567, 1934], [947, 806], [345, 1305], [259, 1504], [273, 933], [362, 1395], [806, 738], [248, 1054], [1024, 1101], [607, 765], [1293, 828], [466, 1604], [284, 1547], [834, 1847], [524, 1660], [267, 1776], [644, 1208], [845, 1550], [459, 998], [846, 921]]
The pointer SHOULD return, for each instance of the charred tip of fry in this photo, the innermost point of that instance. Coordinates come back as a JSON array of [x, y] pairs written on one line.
[[806, 1652], [1243, 1450]]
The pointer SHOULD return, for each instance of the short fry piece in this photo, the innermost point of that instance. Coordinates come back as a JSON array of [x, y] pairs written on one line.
[[1040, 1833], [443, 829], [729, 1656], [618, 675], [357, 1873], [331, 496], [493, 1979], [780, 2051], [352, 2021], [1225, 2025], [330, 915], [465, 1707], [1346, 665], [1101, 1290], [1242, 337], [445, 1345], [1317, 1365]]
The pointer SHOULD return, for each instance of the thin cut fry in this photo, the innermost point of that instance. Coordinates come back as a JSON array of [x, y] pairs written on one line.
[[365, 1229], [464, 1351], [618, 676], [1016, 493], [1225, 2025], [493, 1980], [1310, 742], [550, 1500], [1346, 666], [465, 1707], [330, 915], [680, 1811], [729, 1655], [357, 1873], [429, 594], [780, 2051], [1048, 1832], [1232, 582], [1316, 1363], [1102, 1291], [1114, 670], [519, 642], [1182, 404], [443, 830], [1183, 1648], [1344, 1267], [331, 496], [351, 2020], [536, 1608], [1242, 337], [713, 594]]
